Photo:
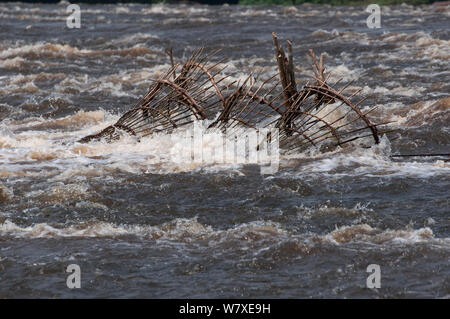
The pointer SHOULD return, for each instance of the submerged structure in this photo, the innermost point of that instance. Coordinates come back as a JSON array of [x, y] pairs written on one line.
[[317, 114]]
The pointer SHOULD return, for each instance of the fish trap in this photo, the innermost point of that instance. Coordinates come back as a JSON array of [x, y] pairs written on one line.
[[319, 114]]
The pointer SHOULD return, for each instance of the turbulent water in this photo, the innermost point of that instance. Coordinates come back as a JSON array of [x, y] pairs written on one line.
[[142, 225]]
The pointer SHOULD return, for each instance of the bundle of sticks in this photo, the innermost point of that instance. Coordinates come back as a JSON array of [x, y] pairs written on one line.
[[317, 114]]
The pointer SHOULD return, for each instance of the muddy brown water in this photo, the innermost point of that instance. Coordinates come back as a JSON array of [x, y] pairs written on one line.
[[141, 225]]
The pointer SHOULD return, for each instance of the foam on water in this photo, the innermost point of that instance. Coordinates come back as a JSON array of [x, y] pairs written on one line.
[[322, 217], [366, 233], [5, 194], [55, 50], [191, 231], [48, 143], [354, 161]]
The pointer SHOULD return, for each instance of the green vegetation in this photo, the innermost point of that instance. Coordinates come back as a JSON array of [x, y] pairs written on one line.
[[249, 2], [332, 2]]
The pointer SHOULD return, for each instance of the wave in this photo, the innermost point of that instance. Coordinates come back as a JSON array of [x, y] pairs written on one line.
[[264, 232], [366, 233], [5, 194], [37, 142], [423, 113], [55, 50]]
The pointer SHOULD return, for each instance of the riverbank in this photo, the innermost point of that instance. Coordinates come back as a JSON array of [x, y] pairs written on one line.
[[332, 2], [250, 2]]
